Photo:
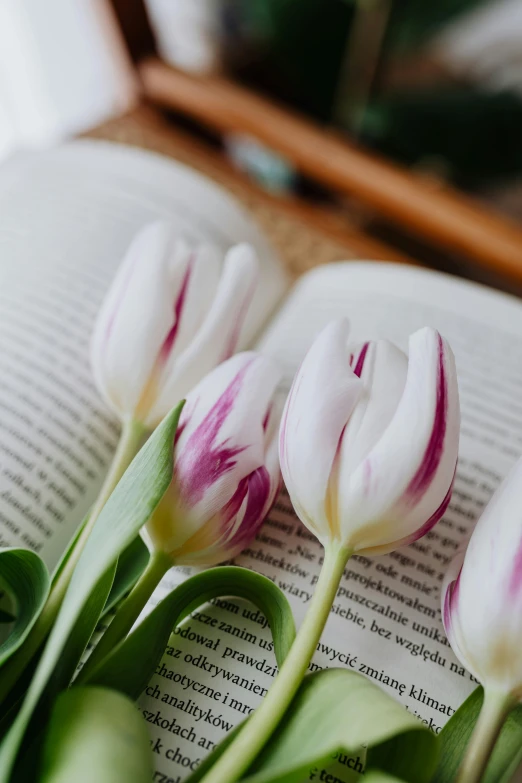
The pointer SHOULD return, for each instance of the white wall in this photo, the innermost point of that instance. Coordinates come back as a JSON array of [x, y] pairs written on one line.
[[63, 69]]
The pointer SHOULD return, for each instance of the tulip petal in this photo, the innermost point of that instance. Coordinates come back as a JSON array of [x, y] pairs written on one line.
[[382, 368], [406, 476], [323, 395], [260, 490], [391, 546], [125, 340], [226, 535], [192, 304], [450, 599], [177, 529], [263, 487], [208, 544], [221, 439], [219, 332], [450, 590], [482, 611]]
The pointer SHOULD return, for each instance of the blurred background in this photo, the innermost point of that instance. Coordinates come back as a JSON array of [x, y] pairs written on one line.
[[434, 88], [437, 86]]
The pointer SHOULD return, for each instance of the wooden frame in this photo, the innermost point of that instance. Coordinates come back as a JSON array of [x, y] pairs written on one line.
[[446, 218], [303, 235]]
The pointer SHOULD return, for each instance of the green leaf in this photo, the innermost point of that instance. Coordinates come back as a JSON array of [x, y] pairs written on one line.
[[27, 581], [376, 776], [131, 564], [339, 711], [96, 734], [128, 508], [64, 670], [68, 551], [79, 636], [210, 759], [26, 655], [130, 666], [506, 756]]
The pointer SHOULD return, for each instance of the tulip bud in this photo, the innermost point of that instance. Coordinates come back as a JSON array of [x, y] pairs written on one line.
[[482, 593], [369, 439], [226, 468], [171, 315]]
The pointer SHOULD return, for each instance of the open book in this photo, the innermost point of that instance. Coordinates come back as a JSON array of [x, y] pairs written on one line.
[[66, 218]]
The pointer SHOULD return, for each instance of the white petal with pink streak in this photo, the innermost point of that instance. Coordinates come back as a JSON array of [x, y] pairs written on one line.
[[126, 337], [323, 396], [406, 476], [217, 336], [221, 438], [482, 611]]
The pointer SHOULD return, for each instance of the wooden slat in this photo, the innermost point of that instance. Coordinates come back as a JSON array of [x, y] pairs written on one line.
[[442, 216], [304, 236]]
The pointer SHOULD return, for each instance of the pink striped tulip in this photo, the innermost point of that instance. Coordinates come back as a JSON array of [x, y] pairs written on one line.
[[171, 315], [482, 593], [226, 467], [369, 439]]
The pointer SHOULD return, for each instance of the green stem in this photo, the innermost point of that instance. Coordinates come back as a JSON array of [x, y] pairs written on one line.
[[130, 438], [242, 751], [494, 711], [128, 612]]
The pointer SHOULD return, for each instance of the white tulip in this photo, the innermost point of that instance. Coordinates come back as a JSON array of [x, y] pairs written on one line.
[[172, 314], [482, 615], [226, 467], [369, 439]]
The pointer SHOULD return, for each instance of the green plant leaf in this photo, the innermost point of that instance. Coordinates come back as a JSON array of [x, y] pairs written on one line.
[[376, 776], [96, 734], [26, 654], [210, 759], [130, 666], [67, 553], [506, 756], [27, 581], [79, 636], [131, 564], [339, 711], [128, 508]]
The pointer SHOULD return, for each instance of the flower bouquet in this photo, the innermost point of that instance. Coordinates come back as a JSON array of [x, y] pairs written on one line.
[[367, 443]]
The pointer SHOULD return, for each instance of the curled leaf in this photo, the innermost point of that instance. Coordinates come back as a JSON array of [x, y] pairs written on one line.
[[132, 663], [27, 581]]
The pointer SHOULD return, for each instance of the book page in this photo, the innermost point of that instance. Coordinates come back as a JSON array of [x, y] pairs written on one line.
[[385, 622], [66, 219]]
